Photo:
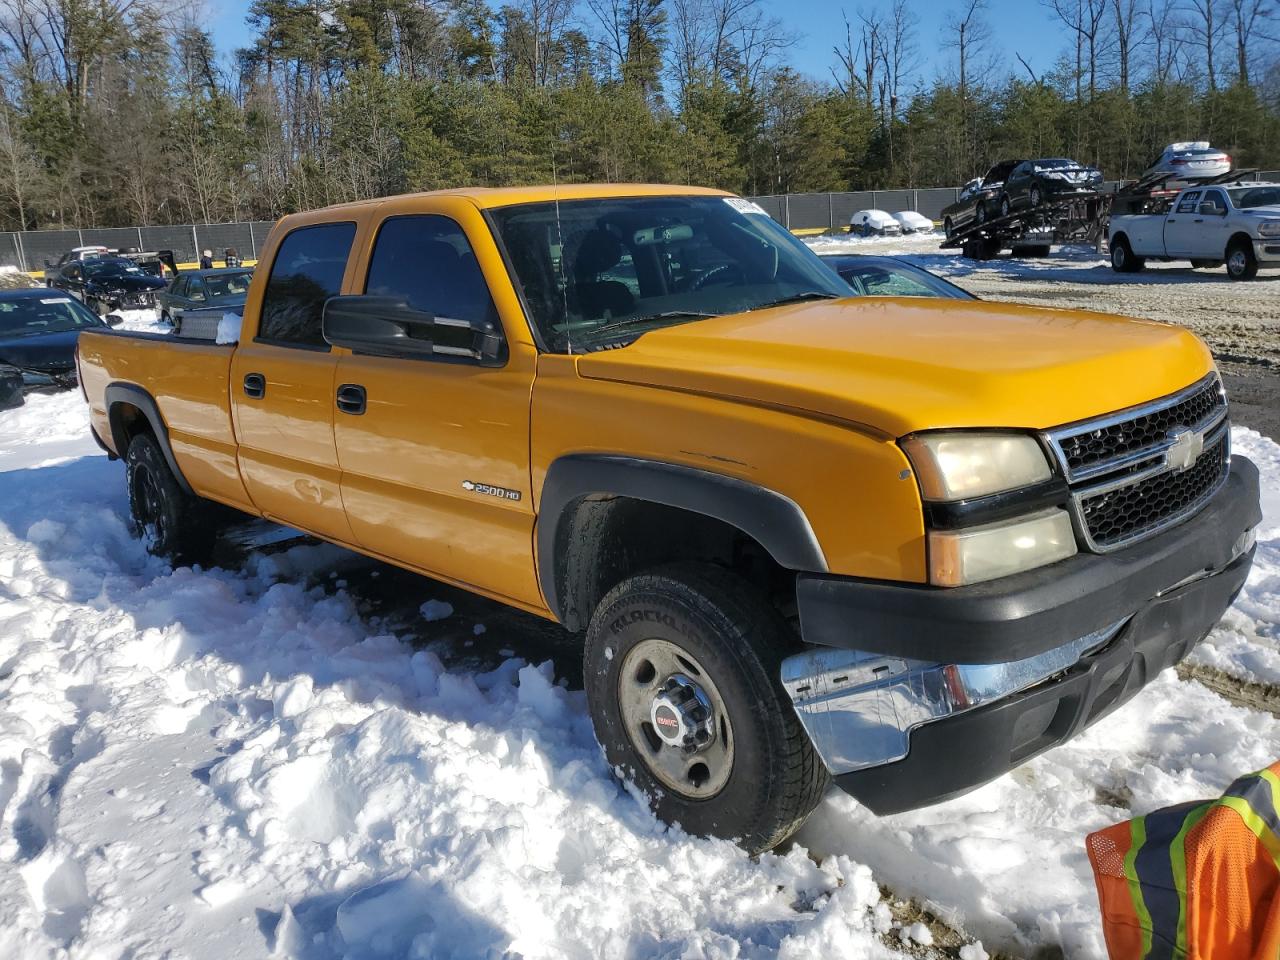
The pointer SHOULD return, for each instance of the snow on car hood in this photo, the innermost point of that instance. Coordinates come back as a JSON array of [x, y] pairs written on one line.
[[899, 365]]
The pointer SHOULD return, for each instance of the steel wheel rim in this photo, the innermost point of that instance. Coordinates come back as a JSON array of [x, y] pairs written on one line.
[[1117, 256], [645, 670], [151, 513], [1236, 262]]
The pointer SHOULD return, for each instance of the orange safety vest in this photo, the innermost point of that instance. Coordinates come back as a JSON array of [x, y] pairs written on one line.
[[1199, 881]]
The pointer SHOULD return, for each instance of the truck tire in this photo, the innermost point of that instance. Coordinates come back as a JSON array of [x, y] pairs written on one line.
[[171, 522], [1241, 263], [1123, 259], [948, 229], [693, 650]]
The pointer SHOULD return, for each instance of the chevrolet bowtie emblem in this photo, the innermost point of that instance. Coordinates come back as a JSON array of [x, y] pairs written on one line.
[[1185, 449]]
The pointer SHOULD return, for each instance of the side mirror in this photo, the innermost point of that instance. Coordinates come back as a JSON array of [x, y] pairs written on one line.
[[1210, 209], [389, 327]]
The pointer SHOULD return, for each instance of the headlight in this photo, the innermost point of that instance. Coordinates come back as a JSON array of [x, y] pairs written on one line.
[[1269, 228], [958, 466], [975, 554]]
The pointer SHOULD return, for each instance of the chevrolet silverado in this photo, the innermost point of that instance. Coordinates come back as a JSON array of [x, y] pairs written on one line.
[[904, 544]]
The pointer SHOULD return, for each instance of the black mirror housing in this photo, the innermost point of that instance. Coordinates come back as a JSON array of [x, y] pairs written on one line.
[[390, 327]]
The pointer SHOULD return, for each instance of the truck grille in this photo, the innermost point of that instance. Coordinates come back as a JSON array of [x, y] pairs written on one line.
[[1142, 470]]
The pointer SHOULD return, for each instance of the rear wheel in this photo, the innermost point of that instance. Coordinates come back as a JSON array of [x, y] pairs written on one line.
[[948, 228], [981, 213], [1005, 206], [681, 673], [1241, 263], [1123, 259], [171, 522], [1037, 197]]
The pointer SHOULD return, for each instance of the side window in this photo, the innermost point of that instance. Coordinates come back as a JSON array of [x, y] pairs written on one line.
[[1216, 197], [1188, 202], [195, 288], [307, 271], [428, 262], [72, 272], [179, 287]]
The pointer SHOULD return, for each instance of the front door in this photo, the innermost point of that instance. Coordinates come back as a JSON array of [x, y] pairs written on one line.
[[282, 386], [435, 452]]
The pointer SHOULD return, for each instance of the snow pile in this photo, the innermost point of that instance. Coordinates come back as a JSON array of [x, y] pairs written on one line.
[[218, 764], [214, 763], [229, 328]]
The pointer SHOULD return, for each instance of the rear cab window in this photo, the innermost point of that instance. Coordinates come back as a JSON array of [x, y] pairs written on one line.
[[307, 271], [1187, 204]]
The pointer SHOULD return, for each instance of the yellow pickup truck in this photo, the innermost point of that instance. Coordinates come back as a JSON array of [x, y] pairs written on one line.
[[904, 544]]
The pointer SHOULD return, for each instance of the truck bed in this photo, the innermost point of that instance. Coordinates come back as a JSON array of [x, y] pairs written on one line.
[[186, 380]]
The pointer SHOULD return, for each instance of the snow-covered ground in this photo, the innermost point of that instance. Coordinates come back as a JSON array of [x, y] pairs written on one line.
[[219, 763]]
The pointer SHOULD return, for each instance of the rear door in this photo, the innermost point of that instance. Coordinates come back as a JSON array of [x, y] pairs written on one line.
[[435, 451], [282, 386], [1182, 225]]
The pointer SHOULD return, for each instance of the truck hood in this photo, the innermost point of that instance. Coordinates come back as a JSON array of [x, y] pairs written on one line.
[[897, 365]]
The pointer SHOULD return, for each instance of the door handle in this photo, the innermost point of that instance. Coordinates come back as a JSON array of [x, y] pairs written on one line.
[[1198, 220], [255, 386], [352, 399]]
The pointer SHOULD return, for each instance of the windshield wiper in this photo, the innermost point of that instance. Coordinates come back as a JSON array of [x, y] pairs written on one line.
[[798, 298], [665, 315]]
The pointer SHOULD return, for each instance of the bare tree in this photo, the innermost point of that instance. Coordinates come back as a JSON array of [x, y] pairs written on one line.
[[968, 33], [1246, 18], [1167, 38], [713, 40], [1129, 33], [860, 58], [1086, 20], [1206, 25]]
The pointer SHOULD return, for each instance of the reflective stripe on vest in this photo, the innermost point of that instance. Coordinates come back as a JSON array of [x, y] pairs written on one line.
[[1156, 864]]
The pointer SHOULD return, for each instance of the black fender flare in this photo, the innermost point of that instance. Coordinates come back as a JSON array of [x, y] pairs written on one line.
[[130, 393], [776, 521]]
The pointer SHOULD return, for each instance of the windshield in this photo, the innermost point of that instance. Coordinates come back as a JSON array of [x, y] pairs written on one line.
[[32, 316], [611, 269], [220, 285], [1246, 197], [104, 268], [893, 278]]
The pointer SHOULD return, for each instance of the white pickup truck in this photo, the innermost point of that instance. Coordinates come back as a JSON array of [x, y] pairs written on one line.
[[1237, 224]]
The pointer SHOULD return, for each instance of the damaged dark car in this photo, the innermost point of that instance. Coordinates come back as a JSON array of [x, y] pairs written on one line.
[[107, 284], [1036, 182], [38, 333]]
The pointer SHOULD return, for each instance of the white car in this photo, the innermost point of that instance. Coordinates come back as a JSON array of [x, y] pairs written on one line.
[[1237, 224], [1189, 161], [871, 223], [912, 222]]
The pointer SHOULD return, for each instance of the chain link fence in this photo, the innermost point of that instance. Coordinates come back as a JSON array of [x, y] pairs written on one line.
[[31, 249], [827, 211]]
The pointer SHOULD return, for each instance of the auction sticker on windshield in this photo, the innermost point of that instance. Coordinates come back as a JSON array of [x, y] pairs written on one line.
[[745, 206]]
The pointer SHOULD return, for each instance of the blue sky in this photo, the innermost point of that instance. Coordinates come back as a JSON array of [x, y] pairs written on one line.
[[1017, 25]]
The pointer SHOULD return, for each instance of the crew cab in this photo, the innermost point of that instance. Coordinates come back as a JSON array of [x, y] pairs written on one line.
[[1237, 224], [901, 543]]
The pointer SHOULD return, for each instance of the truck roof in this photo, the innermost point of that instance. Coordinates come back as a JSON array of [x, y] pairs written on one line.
[[488, 197]]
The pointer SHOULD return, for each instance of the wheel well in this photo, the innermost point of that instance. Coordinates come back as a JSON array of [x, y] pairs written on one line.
[[602, 540], [127, 421], [1240, 239], [1119, 237]]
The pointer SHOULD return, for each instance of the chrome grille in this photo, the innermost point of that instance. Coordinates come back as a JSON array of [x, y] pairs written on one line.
[[1132, 474]]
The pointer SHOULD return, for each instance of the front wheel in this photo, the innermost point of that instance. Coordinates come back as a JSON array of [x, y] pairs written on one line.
[[1005, 206], [681, 670], [948, 229], [1037, 197], [1241, 263]]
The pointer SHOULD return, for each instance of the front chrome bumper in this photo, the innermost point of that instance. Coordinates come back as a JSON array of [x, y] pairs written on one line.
[[859, 708]]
